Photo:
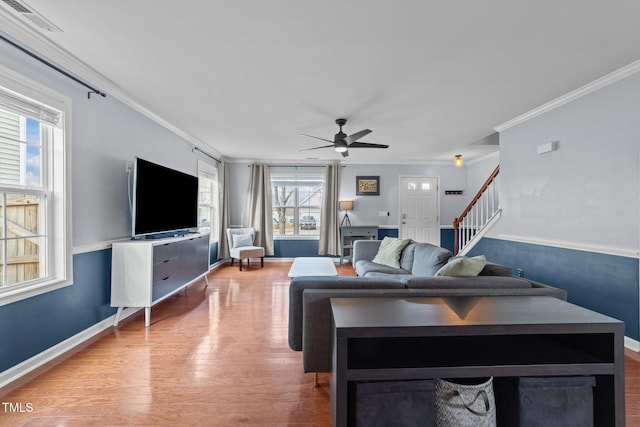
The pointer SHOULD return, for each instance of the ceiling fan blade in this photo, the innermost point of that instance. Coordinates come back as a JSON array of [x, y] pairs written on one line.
[[366, 145], [315, 137], [317, 148], [356, 136], [345, 154]]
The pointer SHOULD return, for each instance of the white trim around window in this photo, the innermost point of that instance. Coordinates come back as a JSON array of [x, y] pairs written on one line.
[[56, 178]]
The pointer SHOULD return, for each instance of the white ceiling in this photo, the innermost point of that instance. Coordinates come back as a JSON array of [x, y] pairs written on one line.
[[429, 77]]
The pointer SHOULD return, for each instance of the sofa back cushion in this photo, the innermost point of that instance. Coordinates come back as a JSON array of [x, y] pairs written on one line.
[[428, 259], [491, 269], [406, 258], [469, 282]]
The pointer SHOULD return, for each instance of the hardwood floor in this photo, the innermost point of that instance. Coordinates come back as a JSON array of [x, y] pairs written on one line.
[[215, 356]]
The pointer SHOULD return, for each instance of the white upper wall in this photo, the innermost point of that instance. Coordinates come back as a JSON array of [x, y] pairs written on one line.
[[478, 172], [106, 134], [585, 194], [366, 208]]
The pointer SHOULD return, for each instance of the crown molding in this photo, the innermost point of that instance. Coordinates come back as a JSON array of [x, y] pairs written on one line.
[[600, 83], [13, 28], [495, 154]]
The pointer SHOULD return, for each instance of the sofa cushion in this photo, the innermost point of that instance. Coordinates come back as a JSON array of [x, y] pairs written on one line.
[[428, 259], [389, 251], [463, 267], [491, 269], [392, 277], [407, 255], [468, 282], [364, 268]]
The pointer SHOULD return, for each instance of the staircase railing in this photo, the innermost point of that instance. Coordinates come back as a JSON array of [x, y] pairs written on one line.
[[478, 216]]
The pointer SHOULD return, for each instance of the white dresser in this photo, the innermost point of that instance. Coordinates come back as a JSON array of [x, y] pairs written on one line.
[[144, 272]]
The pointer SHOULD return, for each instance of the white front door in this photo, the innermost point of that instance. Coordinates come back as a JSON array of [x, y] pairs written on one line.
[[419, 209]]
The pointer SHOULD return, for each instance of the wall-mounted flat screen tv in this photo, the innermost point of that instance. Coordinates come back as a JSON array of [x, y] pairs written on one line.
[[164, 200]]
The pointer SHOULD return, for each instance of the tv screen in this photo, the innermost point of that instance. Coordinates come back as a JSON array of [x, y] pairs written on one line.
[[164, 200]]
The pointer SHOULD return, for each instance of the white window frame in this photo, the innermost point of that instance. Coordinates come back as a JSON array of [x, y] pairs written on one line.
[[56, 173], [208, 171], [296, 207]]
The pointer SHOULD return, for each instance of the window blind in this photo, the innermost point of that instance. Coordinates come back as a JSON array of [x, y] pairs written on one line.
[[18, 104]]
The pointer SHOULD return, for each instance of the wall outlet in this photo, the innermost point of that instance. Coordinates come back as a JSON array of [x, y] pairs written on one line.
[[519, 272], [383, 213]]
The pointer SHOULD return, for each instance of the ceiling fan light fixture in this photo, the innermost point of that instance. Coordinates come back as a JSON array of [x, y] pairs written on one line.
[[457, 160], [340, 147]]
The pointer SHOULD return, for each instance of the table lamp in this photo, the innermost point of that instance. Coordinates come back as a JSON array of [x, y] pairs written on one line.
[[346, 206]]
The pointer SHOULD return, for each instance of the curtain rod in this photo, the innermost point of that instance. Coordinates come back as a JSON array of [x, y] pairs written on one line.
[[205, 153], [55, 67]]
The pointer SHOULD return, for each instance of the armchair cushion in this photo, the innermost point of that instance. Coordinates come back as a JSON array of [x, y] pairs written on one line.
[[240, 240]]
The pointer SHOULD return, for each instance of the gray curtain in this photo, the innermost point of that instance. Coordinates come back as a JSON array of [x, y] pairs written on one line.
[[259, 213], [329, 243], [223, 218]]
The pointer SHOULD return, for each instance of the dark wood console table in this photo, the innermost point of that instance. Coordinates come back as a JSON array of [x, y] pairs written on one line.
[[387, 339]]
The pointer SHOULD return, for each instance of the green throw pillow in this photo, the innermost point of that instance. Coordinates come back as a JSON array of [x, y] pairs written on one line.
[[463, 267], [389, 251]]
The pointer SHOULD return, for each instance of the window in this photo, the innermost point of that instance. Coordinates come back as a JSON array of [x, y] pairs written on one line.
[[208, 201], [296, 202], [35, 251]]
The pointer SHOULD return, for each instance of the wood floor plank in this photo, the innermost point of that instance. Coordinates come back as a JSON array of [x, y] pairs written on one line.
[[213, 356]]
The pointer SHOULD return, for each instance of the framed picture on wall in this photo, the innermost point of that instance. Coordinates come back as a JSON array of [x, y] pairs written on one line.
[[367, 185]]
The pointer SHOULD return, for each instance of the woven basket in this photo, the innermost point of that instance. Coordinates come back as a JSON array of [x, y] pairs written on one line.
[[465, 405]]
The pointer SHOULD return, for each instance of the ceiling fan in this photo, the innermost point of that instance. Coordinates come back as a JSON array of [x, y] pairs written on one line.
[[341, 142]]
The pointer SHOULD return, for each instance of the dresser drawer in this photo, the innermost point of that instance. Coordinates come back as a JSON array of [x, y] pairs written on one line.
[[162, 253], [360, 231]]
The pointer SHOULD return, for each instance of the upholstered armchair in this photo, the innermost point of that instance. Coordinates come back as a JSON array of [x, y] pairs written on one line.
[[240, 241]]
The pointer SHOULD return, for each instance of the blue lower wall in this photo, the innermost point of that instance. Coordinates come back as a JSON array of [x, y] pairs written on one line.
[[309, 248], [213, 253], [604, 283], [33, 325]]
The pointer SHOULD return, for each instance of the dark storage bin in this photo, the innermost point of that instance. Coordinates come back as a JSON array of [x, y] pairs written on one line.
[[393, 404], [544, 401]]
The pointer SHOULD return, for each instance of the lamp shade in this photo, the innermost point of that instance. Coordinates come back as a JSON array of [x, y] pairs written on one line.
[[345, 205]]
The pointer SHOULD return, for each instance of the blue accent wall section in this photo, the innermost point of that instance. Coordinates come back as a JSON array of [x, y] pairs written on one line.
[[309, 248], [387, 232], [295, 248], [447, 238], [33, 325], [600, 282], [213, 253]]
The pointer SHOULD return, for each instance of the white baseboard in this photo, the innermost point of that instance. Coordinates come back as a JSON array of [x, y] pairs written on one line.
[[18, 371]]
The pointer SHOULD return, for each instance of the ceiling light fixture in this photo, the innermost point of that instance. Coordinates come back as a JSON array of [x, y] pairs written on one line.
[[457, 160], [341, 147]]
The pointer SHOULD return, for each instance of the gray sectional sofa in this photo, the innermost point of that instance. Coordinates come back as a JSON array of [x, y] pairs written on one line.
[[310, 310]]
